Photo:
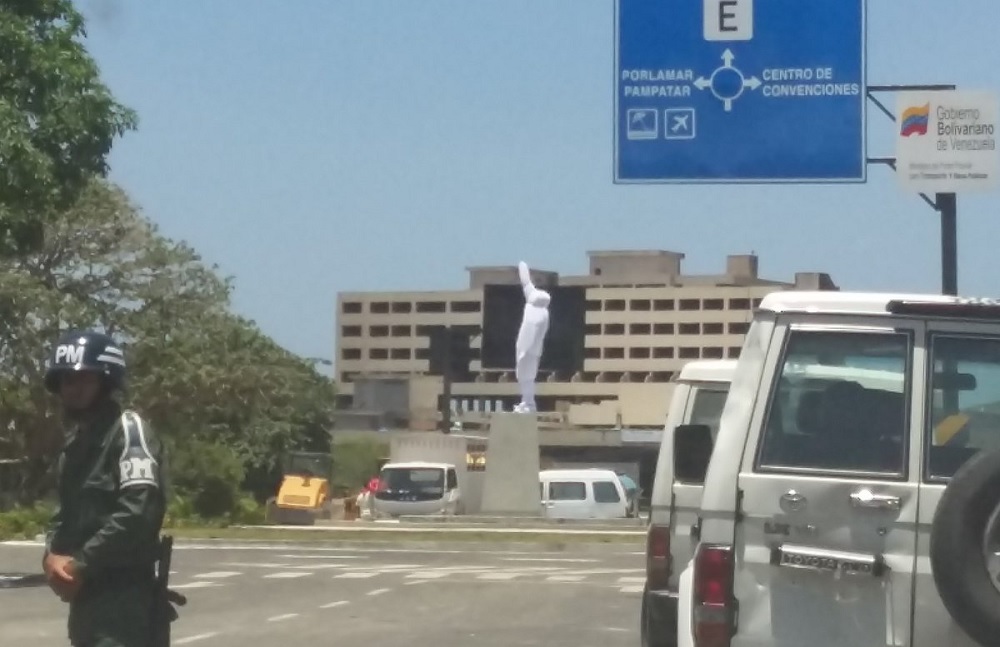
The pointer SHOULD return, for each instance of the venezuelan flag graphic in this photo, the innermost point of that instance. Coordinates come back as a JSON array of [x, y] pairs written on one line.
[[914, 120]]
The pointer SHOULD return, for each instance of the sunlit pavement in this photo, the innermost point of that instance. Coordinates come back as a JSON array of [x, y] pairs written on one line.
[[299, 595]]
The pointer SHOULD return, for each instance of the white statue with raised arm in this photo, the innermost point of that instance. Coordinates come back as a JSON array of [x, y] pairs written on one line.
[[530, 338]]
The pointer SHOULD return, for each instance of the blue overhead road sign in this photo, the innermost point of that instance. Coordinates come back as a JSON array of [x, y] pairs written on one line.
[[740, 91]]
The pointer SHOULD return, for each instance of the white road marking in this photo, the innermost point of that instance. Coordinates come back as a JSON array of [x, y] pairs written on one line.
[[564, 578], [322, 557], [355, 576], [331, 605], [497, 576], [286, 575], [378, 592], [271, 547], [257, 564], [395, 568], [604, 571], [428, 575], [631, 589], [631, 580], [195, 638], [284, 616], [550, 559], [194, 585], [217, 574]]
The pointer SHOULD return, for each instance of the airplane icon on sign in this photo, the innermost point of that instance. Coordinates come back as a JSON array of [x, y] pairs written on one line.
[[679, 123]]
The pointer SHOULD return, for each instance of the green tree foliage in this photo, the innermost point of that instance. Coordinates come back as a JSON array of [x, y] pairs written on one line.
[[57, 119], [355, 462], [204, 377]]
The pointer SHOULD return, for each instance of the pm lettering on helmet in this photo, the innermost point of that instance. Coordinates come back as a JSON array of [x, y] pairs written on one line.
[[137, 471], [69, 354]]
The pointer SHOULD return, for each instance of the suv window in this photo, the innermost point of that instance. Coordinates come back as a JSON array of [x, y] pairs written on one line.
[[707, 407], [452, 479], [567, 491], [840, 404], [606, 492], [965, 401]]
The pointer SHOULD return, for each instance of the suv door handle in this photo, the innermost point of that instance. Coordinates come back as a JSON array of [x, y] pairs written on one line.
[[867, 499]]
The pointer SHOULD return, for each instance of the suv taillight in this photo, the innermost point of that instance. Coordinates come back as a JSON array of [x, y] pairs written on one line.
[[714, 605], [657, 557]]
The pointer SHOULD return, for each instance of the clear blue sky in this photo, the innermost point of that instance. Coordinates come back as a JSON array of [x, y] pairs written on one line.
[[318, 146]]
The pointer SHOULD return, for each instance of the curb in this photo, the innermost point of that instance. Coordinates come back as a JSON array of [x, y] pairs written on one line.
[[416, 545]]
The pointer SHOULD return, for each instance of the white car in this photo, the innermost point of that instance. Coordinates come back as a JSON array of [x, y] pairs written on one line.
[[840, 505]]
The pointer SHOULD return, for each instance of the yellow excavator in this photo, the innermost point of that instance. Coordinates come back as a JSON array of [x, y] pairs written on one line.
[[304, 494]]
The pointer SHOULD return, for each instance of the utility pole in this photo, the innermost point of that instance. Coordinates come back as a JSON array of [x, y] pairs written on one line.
[[447, 375], [449, 357], [947, 205]]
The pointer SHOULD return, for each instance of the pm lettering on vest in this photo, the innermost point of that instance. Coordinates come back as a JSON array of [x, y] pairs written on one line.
[[69, 354], [137, 471]]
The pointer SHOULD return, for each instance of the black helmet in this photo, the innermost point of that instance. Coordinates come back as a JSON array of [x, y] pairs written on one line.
[[86, 351]]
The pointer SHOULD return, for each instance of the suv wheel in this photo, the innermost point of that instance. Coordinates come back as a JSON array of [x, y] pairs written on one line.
[[965, 547]]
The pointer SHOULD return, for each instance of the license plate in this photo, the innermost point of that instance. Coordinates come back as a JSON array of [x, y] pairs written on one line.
[[819, 559]]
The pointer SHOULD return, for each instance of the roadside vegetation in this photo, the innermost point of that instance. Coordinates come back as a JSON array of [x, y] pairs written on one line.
[[77, 252]]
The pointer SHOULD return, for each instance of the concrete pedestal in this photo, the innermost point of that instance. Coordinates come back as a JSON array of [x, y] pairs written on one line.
[[510, 484]]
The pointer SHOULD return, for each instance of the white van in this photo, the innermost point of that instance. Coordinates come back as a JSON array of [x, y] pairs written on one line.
[[582, 494], [417, 488], [853, 491], [698, 397]]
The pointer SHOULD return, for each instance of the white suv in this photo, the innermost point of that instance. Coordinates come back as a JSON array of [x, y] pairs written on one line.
[[699, 395], [819, 521]]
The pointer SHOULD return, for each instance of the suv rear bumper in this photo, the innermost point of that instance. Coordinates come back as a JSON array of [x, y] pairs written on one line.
[[660, 622]]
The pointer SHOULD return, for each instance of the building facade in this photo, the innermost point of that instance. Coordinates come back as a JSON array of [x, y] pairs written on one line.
[[644, 320]]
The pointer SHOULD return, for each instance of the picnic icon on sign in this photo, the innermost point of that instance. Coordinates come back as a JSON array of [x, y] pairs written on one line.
[[643, 123]]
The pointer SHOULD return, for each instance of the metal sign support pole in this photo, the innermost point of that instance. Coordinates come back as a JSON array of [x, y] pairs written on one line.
[[945, 204]]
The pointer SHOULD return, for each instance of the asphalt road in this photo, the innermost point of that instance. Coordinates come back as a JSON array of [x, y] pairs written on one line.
[[307, 595]]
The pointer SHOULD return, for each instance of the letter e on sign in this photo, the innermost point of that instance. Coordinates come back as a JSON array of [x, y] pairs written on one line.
[[727, 20]]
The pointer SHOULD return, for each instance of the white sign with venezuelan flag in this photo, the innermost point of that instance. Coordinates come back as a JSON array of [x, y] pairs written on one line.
[[946, 141]]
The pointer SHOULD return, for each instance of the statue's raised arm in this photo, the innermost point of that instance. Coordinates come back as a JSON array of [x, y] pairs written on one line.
[[525, 275]]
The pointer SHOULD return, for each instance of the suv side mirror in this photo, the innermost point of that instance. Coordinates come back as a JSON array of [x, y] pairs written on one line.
[[692, 452]]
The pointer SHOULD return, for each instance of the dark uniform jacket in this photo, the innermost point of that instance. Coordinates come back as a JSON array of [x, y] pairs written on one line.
[[111, 508]]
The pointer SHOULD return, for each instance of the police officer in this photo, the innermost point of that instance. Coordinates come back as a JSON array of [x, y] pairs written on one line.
[[102, 543]]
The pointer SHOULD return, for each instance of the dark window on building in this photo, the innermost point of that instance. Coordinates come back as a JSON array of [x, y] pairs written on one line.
[[690, 304], [432, 306], [465, 306]]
